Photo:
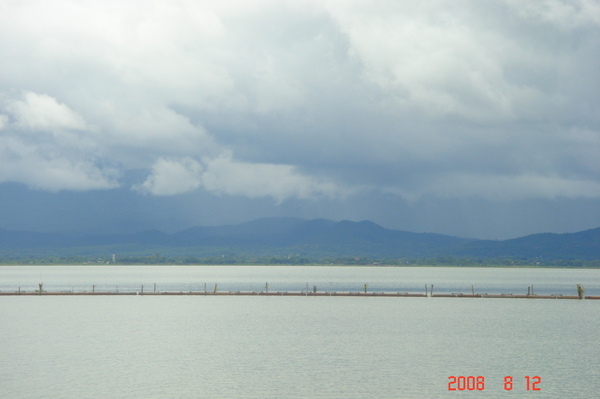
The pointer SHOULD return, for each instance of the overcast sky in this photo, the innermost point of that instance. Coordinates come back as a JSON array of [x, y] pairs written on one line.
[[472, 118]]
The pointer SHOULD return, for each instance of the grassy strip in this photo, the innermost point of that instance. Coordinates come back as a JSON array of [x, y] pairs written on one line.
[[158, 259]]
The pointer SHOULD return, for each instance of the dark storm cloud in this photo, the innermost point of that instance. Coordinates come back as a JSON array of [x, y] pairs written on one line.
[[336, 102]]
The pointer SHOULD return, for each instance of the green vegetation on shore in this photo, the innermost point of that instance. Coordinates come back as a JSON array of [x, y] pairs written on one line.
[[158, 259], [286, 241]]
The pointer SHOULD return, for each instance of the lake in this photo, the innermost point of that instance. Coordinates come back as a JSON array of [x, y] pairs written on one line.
[[547, 281], [297, 347]]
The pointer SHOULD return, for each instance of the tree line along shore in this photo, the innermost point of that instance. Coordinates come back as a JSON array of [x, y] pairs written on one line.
[[158, 259]]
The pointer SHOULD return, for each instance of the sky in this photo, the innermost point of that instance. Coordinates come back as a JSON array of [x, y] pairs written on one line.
[[470, 118]]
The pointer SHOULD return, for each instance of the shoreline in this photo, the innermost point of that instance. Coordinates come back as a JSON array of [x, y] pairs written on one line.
[[117, 265]]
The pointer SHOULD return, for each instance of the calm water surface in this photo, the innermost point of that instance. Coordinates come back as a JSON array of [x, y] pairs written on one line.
[[295, 347], [296, 278]]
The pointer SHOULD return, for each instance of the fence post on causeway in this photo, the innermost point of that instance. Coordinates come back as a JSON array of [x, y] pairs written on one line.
[[580, 291]]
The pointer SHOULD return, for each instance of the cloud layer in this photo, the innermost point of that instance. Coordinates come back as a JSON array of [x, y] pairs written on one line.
[[303, 100], [223, 175]]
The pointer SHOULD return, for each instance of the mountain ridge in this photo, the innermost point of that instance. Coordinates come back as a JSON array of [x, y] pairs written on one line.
[[309, 238]]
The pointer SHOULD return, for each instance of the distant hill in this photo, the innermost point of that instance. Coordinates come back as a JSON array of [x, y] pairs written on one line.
[[580, 245], [307, 238]]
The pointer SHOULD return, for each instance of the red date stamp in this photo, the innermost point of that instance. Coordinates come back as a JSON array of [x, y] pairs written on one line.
[[472, 383]]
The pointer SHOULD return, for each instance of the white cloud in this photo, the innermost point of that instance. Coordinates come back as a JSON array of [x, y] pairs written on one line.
[[172, 177], [48, 147], [137, 136], [41, 167], [42, 112], [224, 175], [439, 58]]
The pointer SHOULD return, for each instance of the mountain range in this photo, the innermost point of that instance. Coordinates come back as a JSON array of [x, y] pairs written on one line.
[[298, 237]]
